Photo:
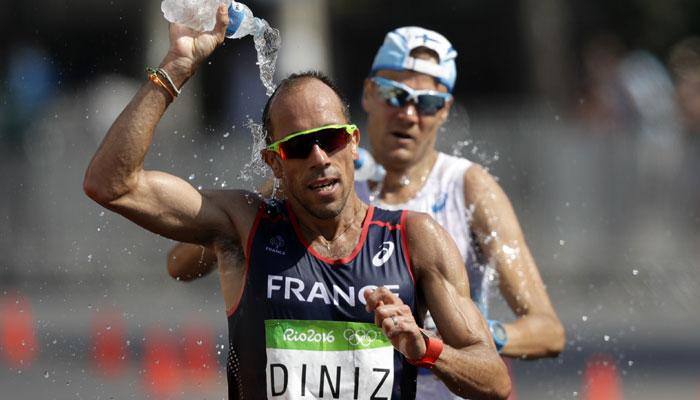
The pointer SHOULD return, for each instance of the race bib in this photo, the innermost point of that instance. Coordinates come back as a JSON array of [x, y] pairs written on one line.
[[327, 360]]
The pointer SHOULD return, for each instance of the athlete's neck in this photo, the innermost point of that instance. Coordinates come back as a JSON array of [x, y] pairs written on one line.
[[345, 227], [402, 184]]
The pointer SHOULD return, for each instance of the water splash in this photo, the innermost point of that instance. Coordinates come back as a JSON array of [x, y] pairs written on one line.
[[489, 281], [256, 167], [466, 148], [267, 45]]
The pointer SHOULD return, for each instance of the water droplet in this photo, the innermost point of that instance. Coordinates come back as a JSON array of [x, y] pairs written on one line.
[[511, 252], [226, 134], [46, 374], [635, 272], [89, 257], [562, 242], [199, 342], [606, 338], [584, 318], [192, 176], [630, 363]]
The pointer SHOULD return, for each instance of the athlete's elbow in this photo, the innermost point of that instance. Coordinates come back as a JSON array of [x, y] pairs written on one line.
[[504, 391], [497, 385], [556, 338], [176, 271], [500, 390], [95, 187], [102, 190], [92, 187], [503, 385]]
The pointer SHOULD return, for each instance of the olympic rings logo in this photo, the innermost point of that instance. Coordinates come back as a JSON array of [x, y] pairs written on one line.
[[360, 337]]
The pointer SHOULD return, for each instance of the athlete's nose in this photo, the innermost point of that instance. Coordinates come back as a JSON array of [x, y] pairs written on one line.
[[408, 112], [318, 156]]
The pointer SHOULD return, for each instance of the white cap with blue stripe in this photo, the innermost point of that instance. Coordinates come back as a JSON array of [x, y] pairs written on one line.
[[398, 44]]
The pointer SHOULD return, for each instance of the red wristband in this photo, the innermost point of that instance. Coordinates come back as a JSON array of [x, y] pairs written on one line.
[[433, 348]]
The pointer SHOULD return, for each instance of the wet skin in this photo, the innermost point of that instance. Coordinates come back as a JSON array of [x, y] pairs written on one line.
[[321, 183]]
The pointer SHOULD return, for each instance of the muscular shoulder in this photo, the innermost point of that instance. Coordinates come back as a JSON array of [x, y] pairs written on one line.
[[479, 183], [492, 210], [431, 248], [240, 206], [422, 227]]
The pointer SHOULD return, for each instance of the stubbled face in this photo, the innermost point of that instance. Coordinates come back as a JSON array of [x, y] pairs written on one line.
[[320, 183], [400, 136]]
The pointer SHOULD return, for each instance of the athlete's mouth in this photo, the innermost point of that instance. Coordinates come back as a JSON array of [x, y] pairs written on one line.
[[401, 135], [323, 184]]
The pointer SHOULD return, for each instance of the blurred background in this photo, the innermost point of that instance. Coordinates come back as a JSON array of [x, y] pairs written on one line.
[[587, 112]]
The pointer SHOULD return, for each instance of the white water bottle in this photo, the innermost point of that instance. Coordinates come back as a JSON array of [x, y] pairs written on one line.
[[366, 169], [241, 22], [200, 15]]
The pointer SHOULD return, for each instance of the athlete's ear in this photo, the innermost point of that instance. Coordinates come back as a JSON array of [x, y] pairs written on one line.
[[366, 92], [355, 143], [445, 112], [273, 160]]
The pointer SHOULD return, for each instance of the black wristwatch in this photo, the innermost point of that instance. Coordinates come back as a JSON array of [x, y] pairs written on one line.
[[499, 334]]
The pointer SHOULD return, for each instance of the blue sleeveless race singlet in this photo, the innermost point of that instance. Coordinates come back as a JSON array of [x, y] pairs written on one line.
[[300, 329]]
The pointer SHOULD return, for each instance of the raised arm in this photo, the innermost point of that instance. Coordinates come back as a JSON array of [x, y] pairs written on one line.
[[468, 364], [158, 201], [537, 331]]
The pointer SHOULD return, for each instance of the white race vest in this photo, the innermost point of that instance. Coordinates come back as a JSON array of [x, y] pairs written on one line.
[[442, 196]]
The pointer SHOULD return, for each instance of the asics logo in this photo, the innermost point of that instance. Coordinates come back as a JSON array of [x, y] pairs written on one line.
[[360, 337], [384, 254]]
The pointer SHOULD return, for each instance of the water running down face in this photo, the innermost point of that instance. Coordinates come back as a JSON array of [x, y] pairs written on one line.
[[320, 183]]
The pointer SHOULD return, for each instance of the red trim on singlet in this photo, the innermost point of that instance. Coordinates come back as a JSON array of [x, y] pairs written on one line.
[[246, 253], [387, 225], [404, 244], [345, 260]]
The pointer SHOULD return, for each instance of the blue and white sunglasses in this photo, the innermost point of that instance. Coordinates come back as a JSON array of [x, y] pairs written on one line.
[[396, 94]]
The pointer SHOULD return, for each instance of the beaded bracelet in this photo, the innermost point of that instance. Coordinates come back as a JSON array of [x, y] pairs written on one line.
[[160, 77]]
